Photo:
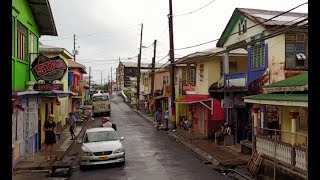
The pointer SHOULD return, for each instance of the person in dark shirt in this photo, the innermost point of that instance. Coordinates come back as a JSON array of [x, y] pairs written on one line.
[[50, 136]]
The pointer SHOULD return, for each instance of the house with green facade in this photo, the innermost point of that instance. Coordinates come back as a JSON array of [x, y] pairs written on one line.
[[31, 19]]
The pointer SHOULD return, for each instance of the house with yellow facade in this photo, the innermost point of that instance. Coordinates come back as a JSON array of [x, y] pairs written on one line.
[[195, 73], [277, 46], [280, 122], [54, 94]]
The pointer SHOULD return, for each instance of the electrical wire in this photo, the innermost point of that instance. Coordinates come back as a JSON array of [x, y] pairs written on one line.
[[188, 47], [195, 10]]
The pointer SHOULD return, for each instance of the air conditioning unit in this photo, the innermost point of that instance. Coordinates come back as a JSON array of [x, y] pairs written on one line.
[[301, 56]]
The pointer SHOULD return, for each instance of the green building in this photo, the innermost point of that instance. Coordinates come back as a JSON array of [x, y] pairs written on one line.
[[30, 20]]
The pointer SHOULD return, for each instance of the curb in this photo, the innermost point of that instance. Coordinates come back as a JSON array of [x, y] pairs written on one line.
[[46, 168], [195, 149]]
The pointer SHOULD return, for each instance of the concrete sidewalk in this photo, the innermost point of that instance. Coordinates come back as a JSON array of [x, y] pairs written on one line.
[[229, 156], [39, 162]]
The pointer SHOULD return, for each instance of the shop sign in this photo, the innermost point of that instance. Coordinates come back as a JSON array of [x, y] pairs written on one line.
[[226, 103], [48, 87], [48, 69]]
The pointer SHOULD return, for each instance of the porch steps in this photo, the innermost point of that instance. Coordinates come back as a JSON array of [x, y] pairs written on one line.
[[254, 163]]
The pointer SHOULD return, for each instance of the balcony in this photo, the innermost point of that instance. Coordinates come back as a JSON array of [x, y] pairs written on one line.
[[291, 156], [235, 80]]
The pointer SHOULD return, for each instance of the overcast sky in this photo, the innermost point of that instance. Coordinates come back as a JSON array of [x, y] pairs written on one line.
[[108, 29]]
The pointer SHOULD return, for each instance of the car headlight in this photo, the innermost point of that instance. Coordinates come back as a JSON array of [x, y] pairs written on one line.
[[87, 154], [120, 150]]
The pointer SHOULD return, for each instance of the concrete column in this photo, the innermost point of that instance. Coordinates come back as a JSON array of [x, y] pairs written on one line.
[[226, 63], [293, 115], [255, 120]]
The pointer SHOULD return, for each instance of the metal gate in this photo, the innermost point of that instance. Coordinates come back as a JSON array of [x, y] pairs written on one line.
[[31, 128]]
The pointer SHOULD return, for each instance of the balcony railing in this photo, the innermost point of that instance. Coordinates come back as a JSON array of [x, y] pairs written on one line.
[[273, 147], [235, 80]]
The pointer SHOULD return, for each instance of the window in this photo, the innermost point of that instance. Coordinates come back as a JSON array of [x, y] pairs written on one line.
[[201, 71], [100, 136], [100, 98], [303, 119], [242, 26], [192, 76], [296, 50], [166, 80], [233, 67], [33, 41], [257, 59], [22, 42], [13, 30]]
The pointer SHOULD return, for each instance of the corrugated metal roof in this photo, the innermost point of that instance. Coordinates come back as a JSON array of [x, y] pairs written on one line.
[[135, 64], [42, 14], [260, 15], [73, 64], [298, 80], [280, 97], [211, 52]]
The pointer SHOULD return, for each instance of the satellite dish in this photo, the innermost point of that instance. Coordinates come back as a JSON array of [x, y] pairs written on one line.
[[301, 56]]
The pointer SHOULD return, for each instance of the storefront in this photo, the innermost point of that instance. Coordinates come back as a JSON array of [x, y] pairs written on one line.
[[206, 111], [25, 131]]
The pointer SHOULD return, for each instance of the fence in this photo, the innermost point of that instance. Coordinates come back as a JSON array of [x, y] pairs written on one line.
[[289, 149]]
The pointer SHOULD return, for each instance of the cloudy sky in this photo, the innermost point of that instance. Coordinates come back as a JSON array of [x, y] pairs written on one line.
[[107, 30]]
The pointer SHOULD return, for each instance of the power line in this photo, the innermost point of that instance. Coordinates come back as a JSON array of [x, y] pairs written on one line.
[[247, 28], [195, 10]]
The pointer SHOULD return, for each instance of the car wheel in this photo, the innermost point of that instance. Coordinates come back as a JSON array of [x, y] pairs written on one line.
[[123, 162]]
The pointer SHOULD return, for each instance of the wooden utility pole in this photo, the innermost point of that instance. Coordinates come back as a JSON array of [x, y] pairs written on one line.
[[171, 52], [139, 66], [111, 82], [153, 68], [89, 83], [74, 47]]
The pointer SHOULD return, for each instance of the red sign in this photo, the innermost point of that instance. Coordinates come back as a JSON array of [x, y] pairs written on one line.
[[48, 87], [48, 69]]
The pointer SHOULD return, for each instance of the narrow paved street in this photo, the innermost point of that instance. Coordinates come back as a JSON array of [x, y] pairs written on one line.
[[150, 154]]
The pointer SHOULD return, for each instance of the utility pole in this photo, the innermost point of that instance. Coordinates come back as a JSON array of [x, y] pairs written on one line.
[[111, 82], [171, 52], [101, 79], [139, 66], [89, 83], [74, 47], [153, 68]]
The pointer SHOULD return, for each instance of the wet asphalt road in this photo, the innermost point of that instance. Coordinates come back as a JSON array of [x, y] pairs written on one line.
[[150, 154]]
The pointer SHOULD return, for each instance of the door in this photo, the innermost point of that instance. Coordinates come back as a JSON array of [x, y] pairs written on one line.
[[242, 123], [201, 118]]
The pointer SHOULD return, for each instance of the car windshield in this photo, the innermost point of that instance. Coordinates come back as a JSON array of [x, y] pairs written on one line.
[[100, 136], [100, 98]]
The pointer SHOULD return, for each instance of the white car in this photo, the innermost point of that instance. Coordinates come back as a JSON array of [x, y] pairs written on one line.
[[101, 146]]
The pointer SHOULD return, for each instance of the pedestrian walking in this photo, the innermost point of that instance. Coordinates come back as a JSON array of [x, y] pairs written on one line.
[[158, 118], [106, 122], [166, 118], [49, 136], [73, 121]]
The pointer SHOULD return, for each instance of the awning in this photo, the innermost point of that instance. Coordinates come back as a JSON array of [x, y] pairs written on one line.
[[300, 100], [21, 93], [76, 97], [160, 97], [195, 98], [53, 93]]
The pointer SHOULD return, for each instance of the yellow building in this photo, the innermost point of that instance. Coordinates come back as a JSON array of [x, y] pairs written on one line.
[[195, 73], [55, 99], [280, 122]]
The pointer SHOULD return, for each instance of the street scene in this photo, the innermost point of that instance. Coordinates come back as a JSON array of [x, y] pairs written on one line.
[[160, 90]]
